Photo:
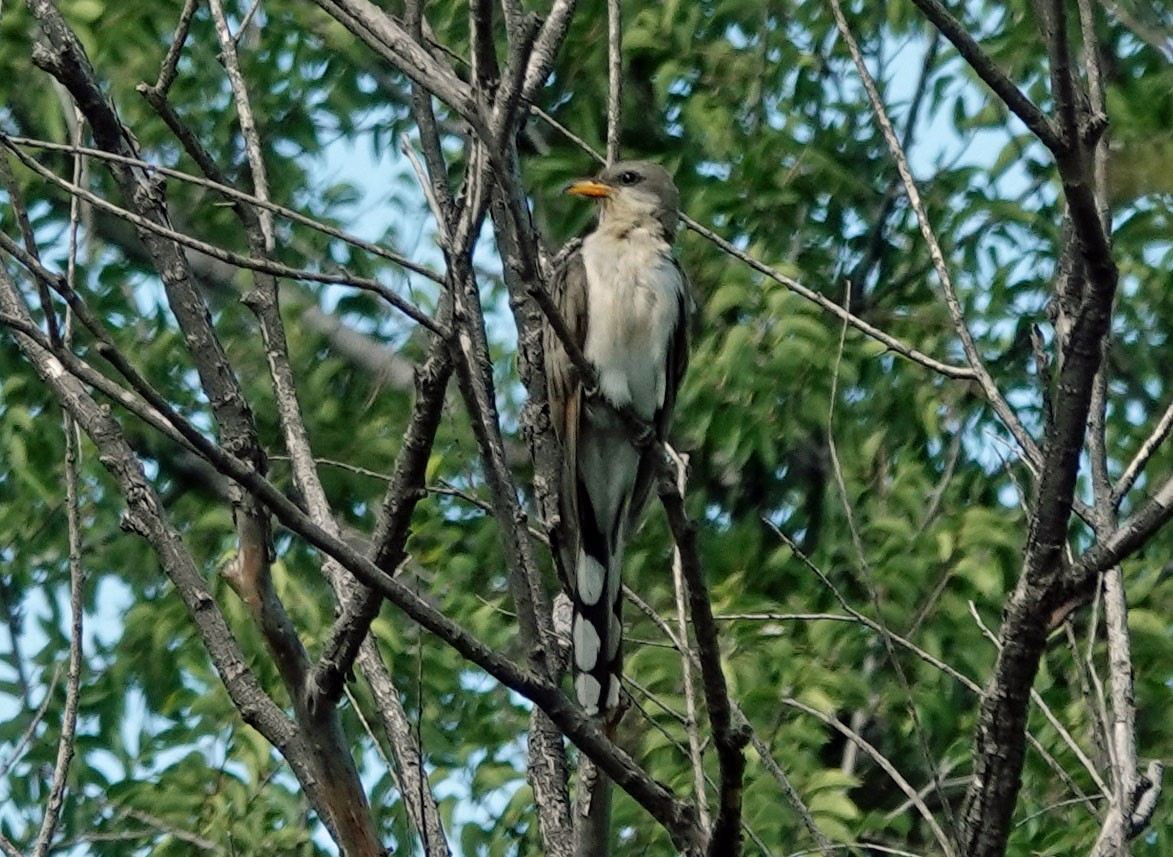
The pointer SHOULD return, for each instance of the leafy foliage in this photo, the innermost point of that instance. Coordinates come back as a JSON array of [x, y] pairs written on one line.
[[901, 486]]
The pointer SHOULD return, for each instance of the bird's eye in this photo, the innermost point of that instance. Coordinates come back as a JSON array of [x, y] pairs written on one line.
[[629, 178]]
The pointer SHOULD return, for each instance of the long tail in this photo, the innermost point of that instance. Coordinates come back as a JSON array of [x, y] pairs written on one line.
[[597, 628]]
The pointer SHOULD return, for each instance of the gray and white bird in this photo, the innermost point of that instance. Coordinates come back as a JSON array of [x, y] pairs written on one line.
[[626, 303]]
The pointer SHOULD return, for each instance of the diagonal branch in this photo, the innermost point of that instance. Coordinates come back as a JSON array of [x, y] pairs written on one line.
[[729, 735], [1013, 97], [883, 762], [151, 231], [1137, 465], [405, 489], [387, 38], [248, 123], [145, 517], [222, 187], [169, 69], [973, 357], [66, 742], [676, 816]]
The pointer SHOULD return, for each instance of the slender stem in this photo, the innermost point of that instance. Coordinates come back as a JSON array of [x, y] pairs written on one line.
[[66, 743], [169, 69], [690, 715], [614, 78], [990, 390], [884, 763], [247, 262], [1013, 97], [244, 112]]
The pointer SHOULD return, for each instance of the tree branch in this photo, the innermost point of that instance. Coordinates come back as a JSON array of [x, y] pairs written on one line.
[[981, 374], [614, 79], [151, 231], [729, 736], [382, 34], [145, 517], [1013, 97]]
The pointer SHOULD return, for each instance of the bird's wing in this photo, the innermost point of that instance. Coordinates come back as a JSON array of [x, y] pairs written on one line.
[[675, 367], [568, 289]]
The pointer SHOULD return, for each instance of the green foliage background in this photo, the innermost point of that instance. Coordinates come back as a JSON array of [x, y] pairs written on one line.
[[756, 109]]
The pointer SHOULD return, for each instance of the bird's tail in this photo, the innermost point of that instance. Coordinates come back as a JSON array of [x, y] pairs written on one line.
[[597, 628]]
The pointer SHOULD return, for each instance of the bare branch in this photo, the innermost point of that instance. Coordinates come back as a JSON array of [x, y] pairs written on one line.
[[763, 751], [729, 735], [690, 709], [27, 735], [964, 680], [235, 194], [884, 763], [65, 744], [1013, 97], [145, 517], [546, 46], [414, 785], [389, 542], [244, 112], [167, 72], [1117, 826], [382, 34], [1038, 700], [1137, 465], [150, 228], [981, 374], [871, 331], [614, 79]]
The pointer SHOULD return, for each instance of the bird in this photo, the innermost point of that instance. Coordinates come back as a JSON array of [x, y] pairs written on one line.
[[626, 304]]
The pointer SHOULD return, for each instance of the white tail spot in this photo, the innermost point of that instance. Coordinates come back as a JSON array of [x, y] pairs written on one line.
[[586, 644], [613, 692], [591, 576], [614, 633], [588, 691]]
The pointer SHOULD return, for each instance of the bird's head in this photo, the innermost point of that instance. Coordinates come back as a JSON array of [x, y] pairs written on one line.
[[633, 192]]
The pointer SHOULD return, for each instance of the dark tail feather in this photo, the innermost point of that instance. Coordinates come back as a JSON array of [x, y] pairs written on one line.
[[597, 629]]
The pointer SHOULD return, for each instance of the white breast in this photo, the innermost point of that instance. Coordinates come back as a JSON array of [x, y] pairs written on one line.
[[633, 299]]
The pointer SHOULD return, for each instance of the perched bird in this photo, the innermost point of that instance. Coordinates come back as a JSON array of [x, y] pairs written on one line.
[[626, 304]]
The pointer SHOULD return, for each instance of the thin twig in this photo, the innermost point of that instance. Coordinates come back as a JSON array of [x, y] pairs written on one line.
[[884, 763], [168, 70], [66, 742], [614, 78], [246, 20], [964, 680], [729, 735], [1115, 831], [865, 566], [1150, 445], [947, 370], [791, 794], [1046, 710], [1013, 97], [690, 723], [241, 261], [34, 722], [822, 844], [237, 195], [244, 113], [427, 186], [989, 386]]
